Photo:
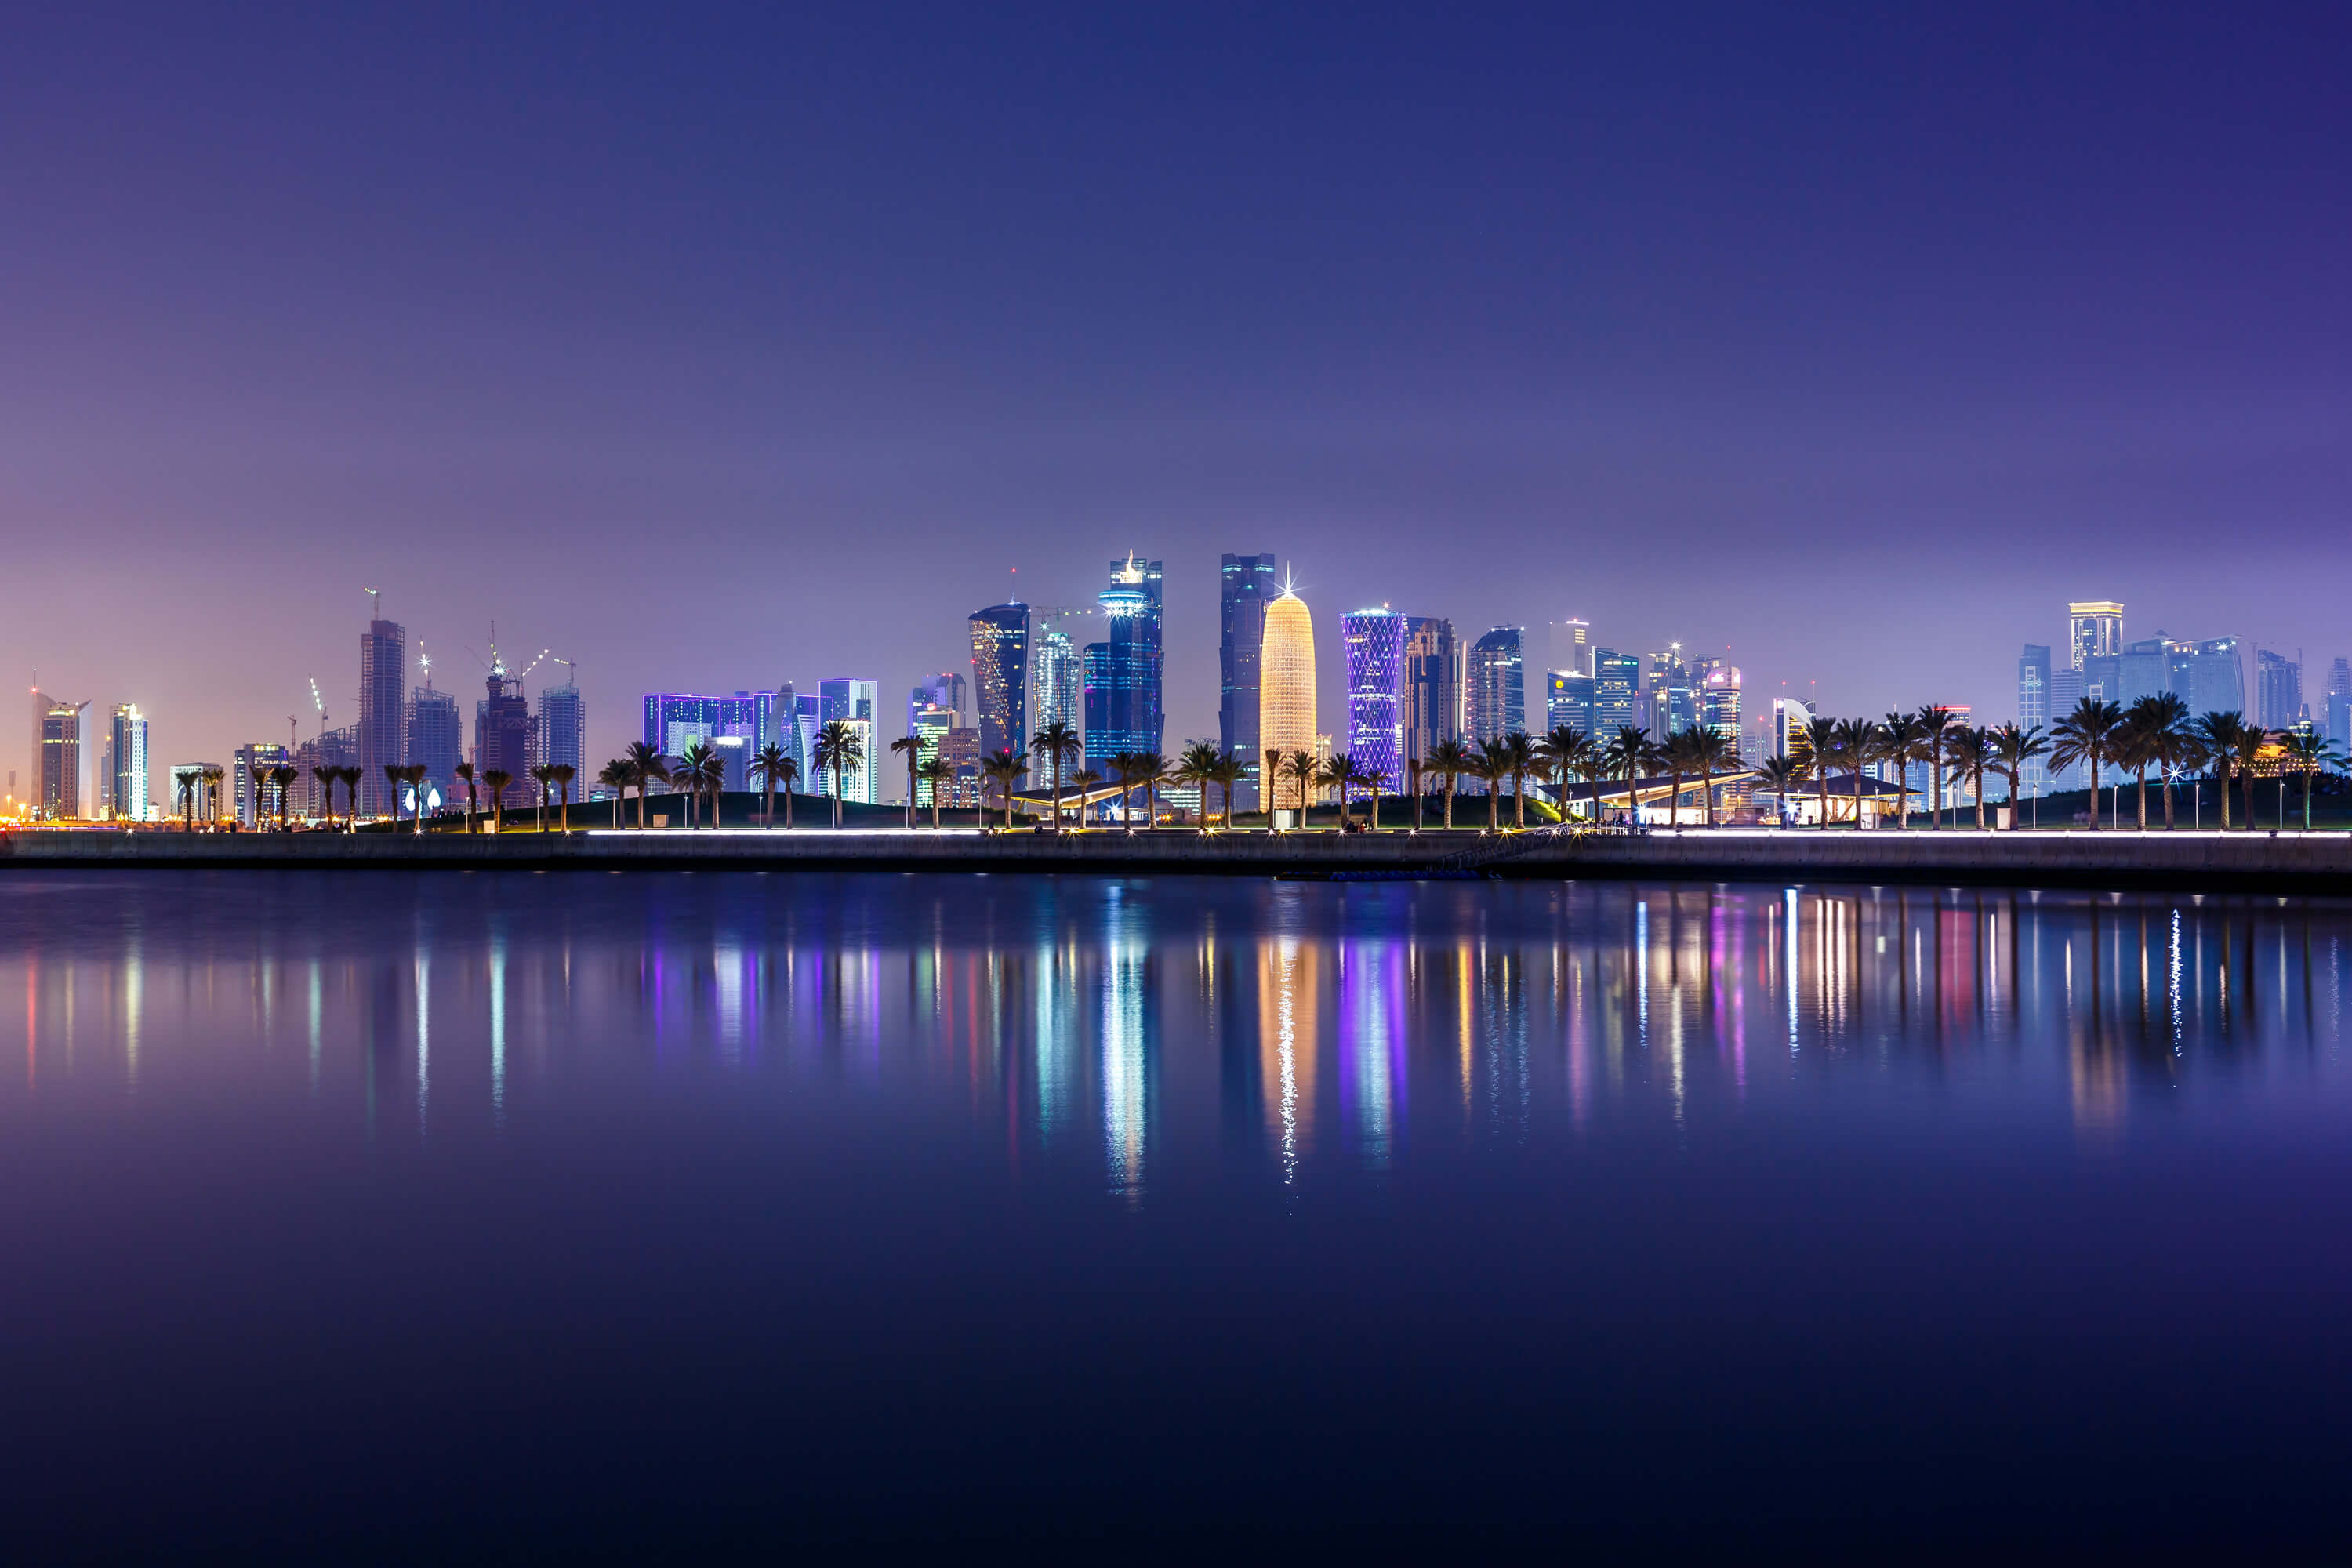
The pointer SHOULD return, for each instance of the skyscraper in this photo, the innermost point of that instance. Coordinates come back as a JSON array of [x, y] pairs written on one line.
[[256, 797], [1616, 685], [57, 754], [435, 740], [505, 737], [2033, 708], [944, 690], [1285, 704], [1571, 646], [2278, 691], [1057, 681], [2095, 630], [855, 704], [2339, 703], [1245, 586], [126, 764], [2215, 677], [1000, 676], [383, 711], [1123, 670], [1719, 700], [1568, 700], [1432, 685], [563, 731], [1495, 685], [1374, 640]]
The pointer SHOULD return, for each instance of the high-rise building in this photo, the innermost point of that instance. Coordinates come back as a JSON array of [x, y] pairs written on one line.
[[1432, 685], [505, 738], [1571, 646], [126, 765], [944, 690], [435, 741], [1719, 700], [1286, 705], [1245, 586], [2339, 703], [1673, 705], [57, 754], [257, 795], [1000, 676], [1494, 685], [331, 749], [1790, 737], [1616, 688], [2213, 678], [1568, 701], [1123, 670], [929, 726], [2095, 630], [960, 747], [2278, 691], [2144, 669], [383, 711], [855, 704], [1374, 640], [1057, 681], [2033, 695], [563, 731]]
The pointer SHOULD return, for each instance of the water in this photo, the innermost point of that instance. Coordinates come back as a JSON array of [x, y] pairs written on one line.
[[359, 1213]]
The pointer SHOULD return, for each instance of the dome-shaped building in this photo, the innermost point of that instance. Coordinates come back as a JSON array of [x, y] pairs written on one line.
[[1286, 702]]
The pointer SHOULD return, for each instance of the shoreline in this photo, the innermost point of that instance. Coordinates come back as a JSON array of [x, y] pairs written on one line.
[[2319, 863]]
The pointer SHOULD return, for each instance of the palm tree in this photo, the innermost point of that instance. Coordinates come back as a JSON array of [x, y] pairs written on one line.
[[2136, 748], [183, 784], [1413, 783], [1933, 720], [935, 771], [1337, 772], [2087, 735], [416, 773], [1969, 750], [394, 773], [1857, 746], [1450, 760], [1675, 756], [1712, 753], [563, 773], [613, 776], [2251, 739], [839, 747], [496, 780], [772, 767], [1822, 746], [646, 764], [695, 770], [2307, 753], [542, 775], [1493, 767], [1005, 767], [1779, 775], [1270, 784], [1627, 753], [283, 776], [2217, 738], [2165, 718], [2013, 748], [1196, 767], [1568, 751], [1151, 772], [1901, 741], [215, 776], [1085, 780], [324, 777], [1229, 770], [911, 748], [1301, 769], [1519, 756], [351, 777], [1057, 744], [464, 772]]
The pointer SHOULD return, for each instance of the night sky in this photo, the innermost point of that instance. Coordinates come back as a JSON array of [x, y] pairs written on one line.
[[719, 347]]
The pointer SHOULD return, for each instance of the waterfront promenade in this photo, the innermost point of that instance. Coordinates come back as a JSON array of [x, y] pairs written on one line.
[[2312, 863]]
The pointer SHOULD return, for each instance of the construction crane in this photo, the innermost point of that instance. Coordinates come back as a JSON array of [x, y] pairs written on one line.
[[572, 667], [532, 666], [376, 612], [320, 704], [425, 663], [1055, 612]]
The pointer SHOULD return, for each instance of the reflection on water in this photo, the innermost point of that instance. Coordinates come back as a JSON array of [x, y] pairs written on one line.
[[1301, 1030]]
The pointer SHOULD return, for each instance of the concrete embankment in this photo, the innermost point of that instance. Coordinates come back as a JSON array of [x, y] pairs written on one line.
[[2287, 862]]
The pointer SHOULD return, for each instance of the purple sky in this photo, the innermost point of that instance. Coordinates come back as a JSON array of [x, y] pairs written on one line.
[[714, 347]]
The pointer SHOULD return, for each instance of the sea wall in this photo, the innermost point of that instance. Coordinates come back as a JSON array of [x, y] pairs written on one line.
[[2287, 862]]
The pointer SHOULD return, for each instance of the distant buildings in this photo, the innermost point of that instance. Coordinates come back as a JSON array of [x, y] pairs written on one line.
[[1285, 709], [2339, 703], [1719, 700], [435, 741], [855, 704], [256, 797], [2278, 691], [1375, 644], [1494, 685], [506, 739], [562, 733], [944, 690], [124, 771], [1432, 685], [1616, 689], [1000, 676], [1246, 587], [57, 751], [1123, 671], [1568, 700], [1057, 682], [384, 688], [2095, 630]]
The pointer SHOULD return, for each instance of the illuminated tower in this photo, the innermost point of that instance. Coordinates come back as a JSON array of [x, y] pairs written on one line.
[[1285, 700], [2095, 628], [383, 711], [1122, 671], [1375, 641], [1497, 697], [1000, 676], [1246, 586]]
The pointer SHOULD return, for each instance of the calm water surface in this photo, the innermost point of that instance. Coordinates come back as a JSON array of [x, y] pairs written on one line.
[[364, 1213]]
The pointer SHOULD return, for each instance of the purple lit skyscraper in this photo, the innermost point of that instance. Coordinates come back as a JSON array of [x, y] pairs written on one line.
[[1375, 641]]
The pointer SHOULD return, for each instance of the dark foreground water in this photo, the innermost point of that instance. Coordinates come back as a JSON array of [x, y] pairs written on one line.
[[366, 1213]]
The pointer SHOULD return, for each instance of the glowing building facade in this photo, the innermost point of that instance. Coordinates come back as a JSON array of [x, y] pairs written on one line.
[[57, 754], [1496, 686], [1432, 685], [1000, 676], [1057, 682], [1375, 642], [126, 765], [1286, 705], [1245, 586], [1123, 671]]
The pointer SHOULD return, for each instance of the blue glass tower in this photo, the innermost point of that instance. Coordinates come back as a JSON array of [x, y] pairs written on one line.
[[1123, 671]]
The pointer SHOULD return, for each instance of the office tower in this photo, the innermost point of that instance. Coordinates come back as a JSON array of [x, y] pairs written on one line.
[[505, 738], [332, 749], [201, 801], [126, 765], [383, 711], [57, 752], [1569, 700], [854, 703], [2339, 703], [562, 731], [1374, 641], [677, 719], [256, 797], [1672, 704], [2102, 676], [2278, 691], [1494, 684], [1285, 703], [1616, 684], [1790, 738], [1245, 586], [943, 690], [960, 747], [1000, 676], [929, 726], [435, 741], [1056, 682], [1571, 646], [1123, 670], [1719, 700], [808, 718], [2214, 677], [2144, 669], [1432, 685], [2095, 630]]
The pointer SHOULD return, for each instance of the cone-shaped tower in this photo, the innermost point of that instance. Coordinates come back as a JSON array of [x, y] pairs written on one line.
[[1285, 704]]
